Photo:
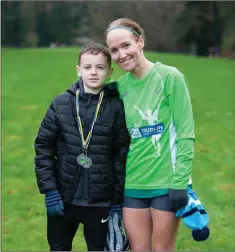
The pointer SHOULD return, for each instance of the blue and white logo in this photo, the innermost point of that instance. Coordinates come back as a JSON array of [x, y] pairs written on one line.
[[147, 131], [152, 130]]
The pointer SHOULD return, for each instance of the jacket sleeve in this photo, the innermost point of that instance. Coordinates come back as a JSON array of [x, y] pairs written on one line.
[[45, 151], [121, 147], [183, 121]]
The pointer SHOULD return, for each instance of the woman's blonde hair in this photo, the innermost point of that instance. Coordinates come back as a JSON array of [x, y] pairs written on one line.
[[131, 25]]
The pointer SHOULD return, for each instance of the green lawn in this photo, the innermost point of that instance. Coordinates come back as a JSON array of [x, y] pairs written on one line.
[[32, 78]]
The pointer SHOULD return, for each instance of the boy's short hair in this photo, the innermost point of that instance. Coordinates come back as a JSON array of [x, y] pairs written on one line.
[[94, 49]]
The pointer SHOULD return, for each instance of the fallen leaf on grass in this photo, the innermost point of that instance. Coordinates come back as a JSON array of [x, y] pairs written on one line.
[[12, 192], [203, 148], [7, 231], [18, 153], [29, 107], [227, 187], [14, 137]]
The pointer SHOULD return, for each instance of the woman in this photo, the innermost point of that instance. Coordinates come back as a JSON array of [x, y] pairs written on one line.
[[160, 121]]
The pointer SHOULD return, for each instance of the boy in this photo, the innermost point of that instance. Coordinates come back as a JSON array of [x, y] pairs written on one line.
[[81, 151]]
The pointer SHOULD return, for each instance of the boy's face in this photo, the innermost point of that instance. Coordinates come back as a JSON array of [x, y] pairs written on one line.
[[94, 69]]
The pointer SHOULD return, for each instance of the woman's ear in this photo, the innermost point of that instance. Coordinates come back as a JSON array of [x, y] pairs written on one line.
[[141, 42]]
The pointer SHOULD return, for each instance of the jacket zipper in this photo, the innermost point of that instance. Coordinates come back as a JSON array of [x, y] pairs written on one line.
[[70, 194]]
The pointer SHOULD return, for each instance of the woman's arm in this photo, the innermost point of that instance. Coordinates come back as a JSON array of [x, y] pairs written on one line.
[[182, 115]]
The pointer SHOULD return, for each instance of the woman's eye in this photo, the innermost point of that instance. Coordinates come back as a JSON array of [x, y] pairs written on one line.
[[126, 45]]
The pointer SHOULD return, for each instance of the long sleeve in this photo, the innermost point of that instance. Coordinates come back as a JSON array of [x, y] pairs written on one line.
[[121, 147], [45, 150], [182, 115]]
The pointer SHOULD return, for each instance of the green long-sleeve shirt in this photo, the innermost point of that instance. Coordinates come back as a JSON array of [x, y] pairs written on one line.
[[160, 121]]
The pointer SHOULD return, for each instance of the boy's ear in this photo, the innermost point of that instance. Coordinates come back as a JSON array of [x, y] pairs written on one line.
[[109, 77], [110, 71], [78, 70]]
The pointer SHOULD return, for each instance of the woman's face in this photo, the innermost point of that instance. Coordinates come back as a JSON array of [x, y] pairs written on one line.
[[125, 48]]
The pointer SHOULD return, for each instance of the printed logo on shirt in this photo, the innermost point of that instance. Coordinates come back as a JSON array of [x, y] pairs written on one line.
[[152, 130], [155, 129], [158, 91], [147, 131]]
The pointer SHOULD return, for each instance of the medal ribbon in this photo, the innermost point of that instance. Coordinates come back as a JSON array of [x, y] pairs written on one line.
[[85, 142]]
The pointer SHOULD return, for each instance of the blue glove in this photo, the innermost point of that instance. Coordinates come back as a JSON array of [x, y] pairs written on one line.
[[116, 209], [54, 203], [177, 199]]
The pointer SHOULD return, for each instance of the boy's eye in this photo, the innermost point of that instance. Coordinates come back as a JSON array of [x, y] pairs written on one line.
[[100, 67], [86, 67]]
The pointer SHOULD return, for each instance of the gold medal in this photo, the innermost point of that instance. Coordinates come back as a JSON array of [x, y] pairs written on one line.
[[83, 160]]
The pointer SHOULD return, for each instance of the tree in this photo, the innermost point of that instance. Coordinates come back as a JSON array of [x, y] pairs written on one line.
[[10, 23], [200, 23], [28, 36], [228, 21], [154, 17]]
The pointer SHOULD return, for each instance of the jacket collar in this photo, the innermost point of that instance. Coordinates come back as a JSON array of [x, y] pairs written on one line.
[[109, 90]]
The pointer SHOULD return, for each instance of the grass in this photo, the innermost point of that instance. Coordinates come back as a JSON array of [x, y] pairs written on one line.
[[32, 78]]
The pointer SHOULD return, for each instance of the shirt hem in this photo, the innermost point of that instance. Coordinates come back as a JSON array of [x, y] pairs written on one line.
[[151, 187]]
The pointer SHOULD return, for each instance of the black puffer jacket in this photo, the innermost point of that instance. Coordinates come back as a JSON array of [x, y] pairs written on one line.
[[58, 144]]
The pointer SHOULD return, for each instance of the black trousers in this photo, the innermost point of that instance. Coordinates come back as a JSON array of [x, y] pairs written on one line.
[[62, 229]]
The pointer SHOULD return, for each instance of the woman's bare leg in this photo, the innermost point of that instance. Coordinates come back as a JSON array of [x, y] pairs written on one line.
[[138, 225], [165, 227]]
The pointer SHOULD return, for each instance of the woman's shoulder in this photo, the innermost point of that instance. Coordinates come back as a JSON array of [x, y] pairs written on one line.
[[122, 83], [167, 70], [123, 78]]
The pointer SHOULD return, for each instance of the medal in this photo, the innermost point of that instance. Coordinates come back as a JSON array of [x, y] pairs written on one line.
[[83, 160]]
